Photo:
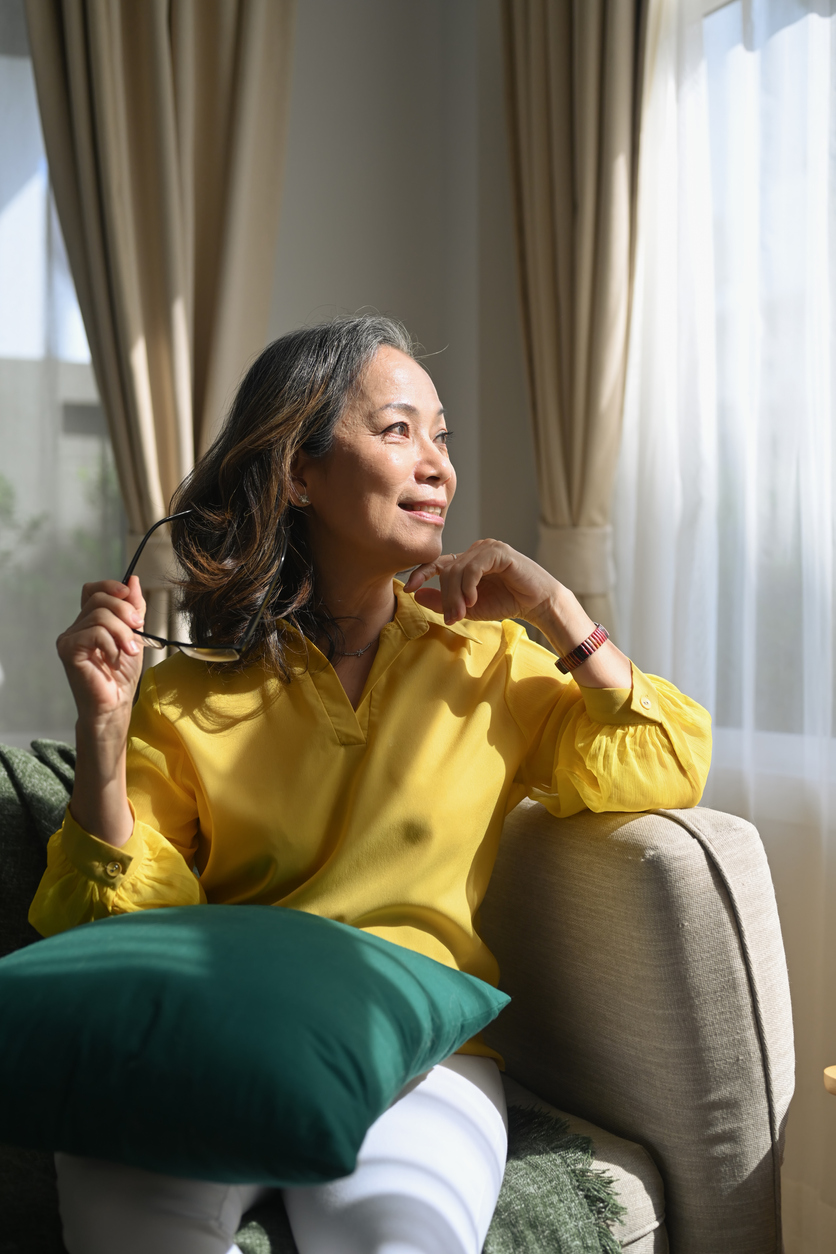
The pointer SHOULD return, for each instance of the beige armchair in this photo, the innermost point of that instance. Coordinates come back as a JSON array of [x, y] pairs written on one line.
[[644, 957], [650, 1002]]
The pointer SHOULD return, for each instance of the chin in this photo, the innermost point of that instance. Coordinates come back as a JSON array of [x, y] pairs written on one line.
[[416, 554], [429, 551]]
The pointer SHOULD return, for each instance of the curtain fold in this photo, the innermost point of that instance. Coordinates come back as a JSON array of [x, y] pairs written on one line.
[[572, 75], [164, 123]]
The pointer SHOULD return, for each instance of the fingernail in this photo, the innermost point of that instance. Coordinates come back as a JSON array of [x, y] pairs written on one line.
[[133, 647], [136, 619]]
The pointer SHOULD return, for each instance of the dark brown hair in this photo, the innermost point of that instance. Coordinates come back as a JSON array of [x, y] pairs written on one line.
[[239, 492]]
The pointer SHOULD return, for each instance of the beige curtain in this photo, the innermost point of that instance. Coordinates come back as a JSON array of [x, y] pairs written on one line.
[[164, 123], [572, 69]]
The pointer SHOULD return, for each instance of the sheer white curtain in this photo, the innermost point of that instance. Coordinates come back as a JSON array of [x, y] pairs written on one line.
[[724, 511]]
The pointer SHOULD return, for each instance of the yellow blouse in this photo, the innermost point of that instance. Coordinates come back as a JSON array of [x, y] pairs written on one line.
[[387, 818]]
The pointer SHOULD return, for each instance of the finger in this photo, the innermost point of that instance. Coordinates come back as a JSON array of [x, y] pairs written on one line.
[[111, 647], [135, 596], [460, 582], [455, 606], [430, 598], [123, 610], [416, 578], [112, 587], [125, 638], [470, 584], [83, 645], [426, 571]]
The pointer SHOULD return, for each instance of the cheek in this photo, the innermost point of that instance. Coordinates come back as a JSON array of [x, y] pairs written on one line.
[[383, 476], [368, 483]]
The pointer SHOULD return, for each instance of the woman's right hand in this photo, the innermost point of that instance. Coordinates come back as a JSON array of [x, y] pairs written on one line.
[[101, 654], [103, 660]]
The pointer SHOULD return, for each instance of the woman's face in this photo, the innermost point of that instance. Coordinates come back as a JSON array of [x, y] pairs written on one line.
[[379, 497]]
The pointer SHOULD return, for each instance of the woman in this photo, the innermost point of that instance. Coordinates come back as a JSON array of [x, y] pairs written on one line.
[[357, 763]]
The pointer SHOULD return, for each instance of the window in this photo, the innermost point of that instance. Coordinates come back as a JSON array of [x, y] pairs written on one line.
[[61, 519], [726, 502]]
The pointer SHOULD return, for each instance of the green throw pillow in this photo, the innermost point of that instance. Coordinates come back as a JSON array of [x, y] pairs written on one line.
[[231, 1043]]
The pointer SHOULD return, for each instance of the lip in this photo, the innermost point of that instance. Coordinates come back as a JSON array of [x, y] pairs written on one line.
[[414, 510]]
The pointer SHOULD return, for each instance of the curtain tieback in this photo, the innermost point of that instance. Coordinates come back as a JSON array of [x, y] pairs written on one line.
[[580, 557]]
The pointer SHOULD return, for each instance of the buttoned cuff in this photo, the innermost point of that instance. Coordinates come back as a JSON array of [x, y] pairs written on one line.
[[104, 864], [625, 706]]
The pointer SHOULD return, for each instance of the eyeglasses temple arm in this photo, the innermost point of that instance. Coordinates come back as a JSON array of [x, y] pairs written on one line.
[[271, 587], [146, 538]]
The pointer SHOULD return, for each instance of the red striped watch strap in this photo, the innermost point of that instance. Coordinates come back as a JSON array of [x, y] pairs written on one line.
[[584, 650]]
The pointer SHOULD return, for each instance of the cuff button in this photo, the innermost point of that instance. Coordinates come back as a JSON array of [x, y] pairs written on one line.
[[645, 701], [113, 869]]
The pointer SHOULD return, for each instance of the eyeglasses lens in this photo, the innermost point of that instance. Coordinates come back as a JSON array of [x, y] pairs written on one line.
[[208, 654]]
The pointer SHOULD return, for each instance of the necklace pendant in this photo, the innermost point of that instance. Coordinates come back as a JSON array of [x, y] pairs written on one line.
[[360, 652]]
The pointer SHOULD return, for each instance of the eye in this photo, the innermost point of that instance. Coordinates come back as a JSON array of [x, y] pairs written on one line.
[[444, 436], [397, 428]]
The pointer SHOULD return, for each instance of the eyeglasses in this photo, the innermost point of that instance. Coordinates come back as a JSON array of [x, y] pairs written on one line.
[[207, 652]]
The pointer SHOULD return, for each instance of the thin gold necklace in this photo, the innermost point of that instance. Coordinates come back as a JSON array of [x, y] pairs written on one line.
[[366, 647], [360, 652]]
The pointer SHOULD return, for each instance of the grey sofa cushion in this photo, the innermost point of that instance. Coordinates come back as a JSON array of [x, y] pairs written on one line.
[[638, 1184], [643, 954]]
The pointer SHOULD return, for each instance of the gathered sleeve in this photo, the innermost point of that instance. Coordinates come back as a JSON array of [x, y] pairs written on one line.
[[625, 749], [86, 878]]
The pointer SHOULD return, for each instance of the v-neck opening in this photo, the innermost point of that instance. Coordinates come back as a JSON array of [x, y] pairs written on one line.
[[351, 726]]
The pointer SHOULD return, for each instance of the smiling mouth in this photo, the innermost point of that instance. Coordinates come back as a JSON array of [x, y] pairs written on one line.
[[426, 513]]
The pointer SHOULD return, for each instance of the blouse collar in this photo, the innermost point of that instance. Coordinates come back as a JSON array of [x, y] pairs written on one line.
[[414, 619]]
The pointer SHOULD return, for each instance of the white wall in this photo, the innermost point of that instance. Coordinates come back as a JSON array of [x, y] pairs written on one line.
[[396, 197]]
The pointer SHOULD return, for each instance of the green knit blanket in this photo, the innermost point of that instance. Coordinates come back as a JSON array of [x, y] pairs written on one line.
[[553, 1200]]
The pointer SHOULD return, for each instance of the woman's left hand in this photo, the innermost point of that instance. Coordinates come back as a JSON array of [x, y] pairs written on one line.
[[489, 581], [492, 581]]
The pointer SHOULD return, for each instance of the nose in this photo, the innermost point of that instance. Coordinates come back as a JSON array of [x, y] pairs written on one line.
[[433, 464]]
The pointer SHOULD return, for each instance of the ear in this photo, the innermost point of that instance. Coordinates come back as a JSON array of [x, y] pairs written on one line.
[[298, 482]]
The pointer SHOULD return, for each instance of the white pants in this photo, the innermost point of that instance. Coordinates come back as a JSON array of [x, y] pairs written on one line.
[[427, 1179]]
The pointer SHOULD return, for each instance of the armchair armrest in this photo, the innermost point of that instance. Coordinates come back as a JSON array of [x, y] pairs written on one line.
[[644, 957]]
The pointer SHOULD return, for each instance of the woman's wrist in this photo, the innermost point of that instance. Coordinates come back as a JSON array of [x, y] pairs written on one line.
[[562, 620], [565, 624], [99, 801]]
